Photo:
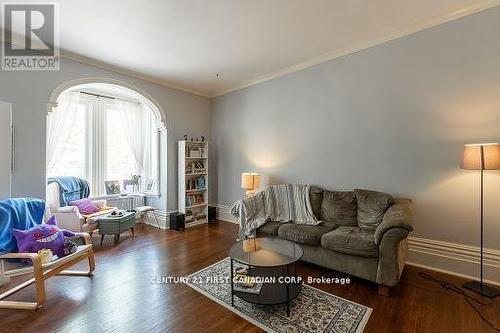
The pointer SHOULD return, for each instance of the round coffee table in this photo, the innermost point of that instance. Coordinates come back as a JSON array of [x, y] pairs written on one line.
[[274, 260]]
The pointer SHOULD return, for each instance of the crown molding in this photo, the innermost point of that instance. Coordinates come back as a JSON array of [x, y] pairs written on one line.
[[426, 24], [120, 70], [65, 54], [432, 22]]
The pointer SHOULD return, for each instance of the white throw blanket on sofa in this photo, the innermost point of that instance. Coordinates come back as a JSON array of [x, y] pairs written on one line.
[[281, 203]]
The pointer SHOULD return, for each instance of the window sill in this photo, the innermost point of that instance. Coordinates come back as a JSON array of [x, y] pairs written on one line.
[[156, 195], [119, 196]]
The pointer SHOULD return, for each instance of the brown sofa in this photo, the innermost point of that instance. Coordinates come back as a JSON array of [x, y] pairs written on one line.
[[363, 233]]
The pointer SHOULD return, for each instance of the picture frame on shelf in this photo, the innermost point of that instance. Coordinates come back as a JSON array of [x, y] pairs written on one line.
[[127, 186], [112, 187], [150, 186]]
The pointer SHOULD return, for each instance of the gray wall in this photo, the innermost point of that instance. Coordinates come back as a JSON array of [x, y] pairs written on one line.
[[392, 118], [29, 92]]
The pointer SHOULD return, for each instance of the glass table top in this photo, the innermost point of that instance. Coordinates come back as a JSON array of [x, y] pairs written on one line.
[[266, 252]]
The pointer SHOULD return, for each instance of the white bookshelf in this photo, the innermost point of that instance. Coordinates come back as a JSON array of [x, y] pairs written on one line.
[[193, 181]]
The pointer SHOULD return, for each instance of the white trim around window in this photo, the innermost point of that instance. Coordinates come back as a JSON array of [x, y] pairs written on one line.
[[97, 149]]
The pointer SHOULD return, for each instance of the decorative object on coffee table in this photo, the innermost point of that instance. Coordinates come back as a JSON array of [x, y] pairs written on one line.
[[268, 257], [116, 224], [485, 156]]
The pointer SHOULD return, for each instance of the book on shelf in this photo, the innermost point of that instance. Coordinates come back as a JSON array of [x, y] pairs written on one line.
[[244, 282], [192, 215], [196, 152], [195, 167], [198, 183], [251, 287], [200, 216], [194, 199]]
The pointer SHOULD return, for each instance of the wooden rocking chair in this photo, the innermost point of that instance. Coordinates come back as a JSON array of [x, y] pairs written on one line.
[[42, 272]]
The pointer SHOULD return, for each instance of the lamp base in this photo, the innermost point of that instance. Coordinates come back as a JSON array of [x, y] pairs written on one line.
[[483, 289], [249, 193]]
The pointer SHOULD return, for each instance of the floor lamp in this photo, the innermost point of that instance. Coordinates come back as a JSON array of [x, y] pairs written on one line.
[[482, 157]]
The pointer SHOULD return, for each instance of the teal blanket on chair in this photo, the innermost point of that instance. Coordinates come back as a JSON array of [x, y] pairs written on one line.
[[70, 188]]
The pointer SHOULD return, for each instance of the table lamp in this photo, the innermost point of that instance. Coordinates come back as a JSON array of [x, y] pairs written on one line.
[[484, 156], [250, 182]]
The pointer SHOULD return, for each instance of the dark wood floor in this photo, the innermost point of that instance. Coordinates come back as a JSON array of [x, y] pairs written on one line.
[[120, 296]]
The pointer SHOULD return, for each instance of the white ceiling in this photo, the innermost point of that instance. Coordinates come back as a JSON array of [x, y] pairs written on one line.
[[184, 43]]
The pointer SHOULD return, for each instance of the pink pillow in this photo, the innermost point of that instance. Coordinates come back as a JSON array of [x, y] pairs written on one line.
[[85, 206]]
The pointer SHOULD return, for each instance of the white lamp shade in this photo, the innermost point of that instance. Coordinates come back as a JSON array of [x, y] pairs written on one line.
[[484, 156]]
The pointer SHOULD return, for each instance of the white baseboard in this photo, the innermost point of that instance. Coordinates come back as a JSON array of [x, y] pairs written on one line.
[[451, 258], [223, 213], [457, 259], [164, 220]]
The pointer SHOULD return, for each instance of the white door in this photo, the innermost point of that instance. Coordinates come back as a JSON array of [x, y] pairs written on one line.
[[6, 144]]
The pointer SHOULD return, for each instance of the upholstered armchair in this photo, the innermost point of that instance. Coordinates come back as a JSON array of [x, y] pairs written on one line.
[[69, 217]]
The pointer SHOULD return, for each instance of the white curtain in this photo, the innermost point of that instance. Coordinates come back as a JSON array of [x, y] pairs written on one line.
[[148, 129], [59, 121], [134, 126]]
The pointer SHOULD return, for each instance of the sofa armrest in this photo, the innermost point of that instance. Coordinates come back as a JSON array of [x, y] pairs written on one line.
[[69, 219], [399, 215]]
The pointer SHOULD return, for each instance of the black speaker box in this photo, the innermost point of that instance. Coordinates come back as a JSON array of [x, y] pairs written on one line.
[[177, 221], [212, 214]]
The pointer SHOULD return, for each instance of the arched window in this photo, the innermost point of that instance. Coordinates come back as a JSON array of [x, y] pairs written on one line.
[[105, 134]]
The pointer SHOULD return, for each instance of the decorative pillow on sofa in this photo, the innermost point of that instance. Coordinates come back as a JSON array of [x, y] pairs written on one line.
[[371, 208], [101, 204], [339, 207], [85, 206]]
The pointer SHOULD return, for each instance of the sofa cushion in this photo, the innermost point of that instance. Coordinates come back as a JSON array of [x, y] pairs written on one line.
[[270, 228], [339, 207], [303, 234], [351, 240], [371, 208], [316, 197]]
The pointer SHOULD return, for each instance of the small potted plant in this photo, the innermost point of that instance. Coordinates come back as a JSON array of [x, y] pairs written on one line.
[[135, 181]]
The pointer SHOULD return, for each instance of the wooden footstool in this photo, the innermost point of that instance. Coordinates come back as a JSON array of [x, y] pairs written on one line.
[[115, 225]]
